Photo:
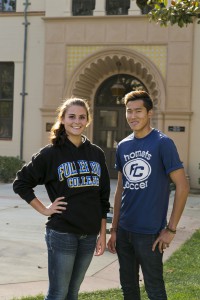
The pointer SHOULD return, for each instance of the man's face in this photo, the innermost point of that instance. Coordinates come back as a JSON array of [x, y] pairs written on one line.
[[138, 118]]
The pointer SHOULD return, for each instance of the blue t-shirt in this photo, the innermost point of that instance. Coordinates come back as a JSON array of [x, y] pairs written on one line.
[[145, 164]]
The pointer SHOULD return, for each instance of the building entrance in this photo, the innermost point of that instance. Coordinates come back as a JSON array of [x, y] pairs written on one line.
[[110, 124]]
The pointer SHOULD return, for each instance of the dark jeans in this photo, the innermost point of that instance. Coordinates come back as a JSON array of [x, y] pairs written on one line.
[[135, 250], [69, 256]]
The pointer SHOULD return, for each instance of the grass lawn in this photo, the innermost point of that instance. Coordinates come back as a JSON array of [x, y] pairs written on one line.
[[181, 271]]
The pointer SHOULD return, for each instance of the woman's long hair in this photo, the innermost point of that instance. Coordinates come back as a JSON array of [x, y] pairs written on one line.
[[58, 134]]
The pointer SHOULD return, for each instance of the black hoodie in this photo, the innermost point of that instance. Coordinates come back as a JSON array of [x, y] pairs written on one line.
[[78, 173]]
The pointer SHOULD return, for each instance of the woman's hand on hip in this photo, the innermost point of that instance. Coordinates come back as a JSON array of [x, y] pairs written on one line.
[[57, 207]]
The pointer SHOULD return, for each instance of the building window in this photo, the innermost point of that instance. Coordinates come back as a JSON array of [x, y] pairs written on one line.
[[104, 95], [7, 5], [143, 6], [117, 7], [6, 99], [83, 7]]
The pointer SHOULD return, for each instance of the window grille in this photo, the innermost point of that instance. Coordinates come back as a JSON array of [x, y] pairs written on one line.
[[6, 99], [83, 7], [7, 5]]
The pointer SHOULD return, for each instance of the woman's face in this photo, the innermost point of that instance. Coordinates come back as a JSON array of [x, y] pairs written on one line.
[[75, 120]]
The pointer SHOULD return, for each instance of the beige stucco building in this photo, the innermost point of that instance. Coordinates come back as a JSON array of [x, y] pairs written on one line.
[[70, 55]]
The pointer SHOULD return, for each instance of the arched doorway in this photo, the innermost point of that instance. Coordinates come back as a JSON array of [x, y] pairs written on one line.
[[110, 124], [87, 82]]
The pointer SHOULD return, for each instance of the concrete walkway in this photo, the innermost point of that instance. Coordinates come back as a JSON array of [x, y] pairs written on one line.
[[23, 256]]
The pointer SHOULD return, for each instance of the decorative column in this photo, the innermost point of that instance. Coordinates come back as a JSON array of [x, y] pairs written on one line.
[[68, 8], [134, 9], [100, 8]]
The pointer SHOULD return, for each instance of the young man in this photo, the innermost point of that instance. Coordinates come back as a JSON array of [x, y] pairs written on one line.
[[146, 162]]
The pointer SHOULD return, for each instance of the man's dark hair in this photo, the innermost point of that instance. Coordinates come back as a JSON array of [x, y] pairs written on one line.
[[139, 95]]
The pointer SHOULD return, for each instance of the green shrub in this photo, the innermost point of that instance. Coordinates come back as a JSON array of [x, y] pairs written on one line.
[[8, 167]]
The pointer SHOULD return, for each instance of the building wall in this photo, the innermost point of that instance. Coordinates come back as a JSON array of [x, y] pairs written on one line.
[[60, 51], [34, 87], [34, 5], [194, 140], [72, 41], [12, 50]]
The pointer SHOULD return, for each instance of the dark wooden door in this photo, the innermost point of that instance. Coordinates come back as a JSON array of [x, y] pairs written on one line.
[[110, 127], [109, 122]]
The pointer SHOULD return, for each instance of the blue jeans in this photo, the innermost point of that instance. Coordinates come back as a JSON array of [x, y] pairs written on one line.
[[135, 250], [69, 256]]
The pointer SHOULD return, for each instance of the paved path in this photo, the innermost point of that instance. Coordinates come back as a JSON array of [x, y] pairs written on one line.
[[23, 257]]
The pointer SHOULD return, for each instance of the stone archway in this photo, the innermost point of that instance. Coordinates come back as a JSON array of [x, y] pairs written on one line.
[[101, 65], [90, 74], [93, 72]]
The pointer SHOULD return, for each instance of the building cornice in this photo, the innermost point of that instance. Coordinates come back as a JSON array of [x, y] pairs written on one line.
[[21, 14]]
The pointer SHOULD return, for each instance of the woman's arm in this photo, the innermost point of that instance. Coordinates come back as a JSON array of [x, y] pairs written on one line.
[[101, 241], [54, 208]]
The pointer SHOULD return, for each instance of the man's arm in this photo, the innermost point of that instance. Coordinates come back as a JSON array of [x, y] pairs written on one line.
[[117, 205], [180, 198]]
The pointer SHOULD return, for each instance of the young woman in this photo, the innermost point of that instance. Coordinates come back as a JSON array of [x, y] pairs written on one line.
[[76, 178]]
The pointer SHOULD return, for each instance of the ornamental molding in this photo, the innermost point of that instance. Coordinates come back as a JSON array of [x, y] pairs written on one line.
[[91, 72]]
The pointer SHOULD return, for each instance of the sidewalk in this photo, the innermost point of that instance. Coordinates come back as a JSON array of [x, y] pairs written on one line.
[[23, 257]]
